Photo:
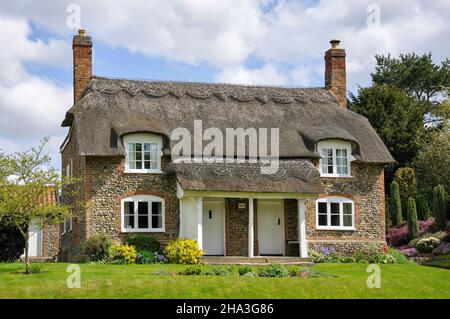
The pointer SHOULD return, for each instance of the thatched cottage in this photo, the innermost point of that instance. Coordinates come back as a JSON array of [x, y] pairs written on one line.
[[328, 190]]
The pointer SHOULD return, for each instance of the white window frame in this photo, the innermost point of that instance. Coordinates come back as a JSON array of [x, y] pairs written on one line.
[[143, 198], [334, 145], [143, 138], [340, 200]]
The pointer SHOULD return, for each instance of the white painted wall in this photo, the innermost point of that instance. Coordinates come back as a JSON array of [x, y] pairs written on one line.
[[188, 218]]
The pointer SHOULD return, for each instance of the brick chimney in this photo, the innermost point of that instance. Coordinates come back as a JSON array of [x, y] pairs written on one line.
[[82, 63], [335, 79]]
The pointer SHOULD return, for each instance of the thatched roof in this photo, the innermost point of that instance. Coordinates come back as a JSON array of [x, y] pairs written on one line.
[[110, 108], [292, 176]]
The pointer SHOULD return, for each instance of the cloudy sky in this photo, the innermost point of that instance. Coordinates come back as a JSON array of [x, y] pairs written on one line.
[[239, 41]]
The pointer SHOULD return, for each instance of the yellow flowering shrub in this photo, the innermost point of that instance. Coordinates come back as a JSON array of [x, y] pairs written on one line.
[[183, 251], [122, 254]]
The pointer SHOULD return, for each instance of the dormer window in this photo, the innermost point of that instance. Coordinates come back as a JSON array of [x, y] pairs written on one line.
[[335, 158], [143, 153]]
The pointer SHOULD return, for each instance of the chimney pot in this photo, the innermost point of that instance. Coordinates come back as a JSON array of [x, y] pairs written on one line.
[[335, 43], [82, 32]]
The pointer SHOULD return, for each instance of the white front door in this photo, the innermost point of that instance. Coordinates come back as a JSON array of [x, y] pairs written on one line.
[[213, 227], [270, 227], [35, 241]]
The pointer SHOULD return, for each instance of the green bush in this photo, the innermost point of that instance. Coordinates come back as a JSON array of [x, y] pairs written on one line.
[[12, 243], [440, 206], [145, 257], [218, 271], [35, 268], [96, 248], [274, 270], [426, 245], [413, 225], [143, 243], [423, 209], [191, 271], [242, 270], [407, 183], [399, 257], [183, 251], [293, 270], [122, 254], [396, 204]]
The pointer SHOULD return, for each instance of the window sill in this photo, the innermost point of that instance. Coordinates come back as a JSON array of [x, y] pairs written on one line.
[[136, 171], [336, 176], [146, 230], [336, 228]]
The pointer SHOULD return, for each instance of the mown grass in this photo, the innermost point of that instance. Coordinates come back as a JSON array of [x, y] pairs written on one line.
[[141, 281]]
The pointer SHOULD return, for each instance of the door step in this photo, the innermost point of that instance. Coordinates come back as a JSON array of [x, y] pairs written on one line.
[[260, 260]]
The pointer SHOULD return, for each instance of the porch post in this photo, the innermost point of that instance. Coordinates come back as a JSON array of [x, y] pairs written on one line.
[[200, 222], [302, 244], [250, 228]]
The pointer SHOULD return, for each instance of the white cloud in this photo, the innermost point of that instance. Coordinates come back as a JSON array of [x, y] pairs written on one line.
[[265, 75], [31, 107]]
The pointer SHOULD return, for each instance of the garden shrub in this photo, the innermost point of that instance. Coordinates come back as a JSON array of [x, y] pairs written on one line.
[[440, 203], [398, 235], [442, 249], [191, 271], [423, 209], [293, 270], [218, 271], [143, 242], [242, 270], [96, 248], [407, 183], [396, 204], [12, 243], [274, 270], [426, 245], [401, 254], [35, 268], [145, 257], [312, 273], [413, 227], [183, 251], [122, 254]]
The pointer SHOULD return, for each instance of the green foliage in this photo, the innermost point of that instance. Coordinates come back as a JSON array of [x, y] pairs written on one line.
[[274, 270], [191, 271], [12, 243], [387, 213], [143, 242], [293, 270], [397, 118], [426, 245], [25, 179], [396, 204], [406, 179], [218, 271], [399, 257], [423, 209], [413, 226], [440, 206], [96, 248], [35, 268], [432, 162], [122, 254], [242, 270], [145, 257], [183, 251]]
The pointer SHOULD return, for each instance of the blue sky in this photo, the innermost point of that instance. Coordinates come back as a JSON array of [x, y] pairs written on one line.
[[253, 42]]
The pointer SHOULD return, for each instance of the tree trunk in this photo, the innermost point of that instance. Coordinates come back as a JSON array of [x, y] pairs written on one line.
[[27, 260]]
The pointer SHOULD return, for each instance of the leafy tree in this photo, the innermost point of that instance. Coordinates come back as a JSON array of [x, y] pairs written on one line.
[[413, 226], [25, 177], [432, 162], [420, 78], [11, 243], [396, 204], [440, 206], [406, 179], [397, 118], [423, 209]]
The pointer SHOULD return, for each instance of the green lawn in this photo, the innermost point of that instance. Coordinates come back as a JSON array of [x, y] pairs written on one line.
[[442, 261], [140, 281]]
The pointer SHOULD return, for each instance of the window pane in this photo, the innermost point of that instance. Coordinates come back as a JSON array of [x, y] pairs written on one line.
[[154, 156], [143, 221], [156, 208], [154, 165], [322, 208], [156, 221], [129, 208], [322, 220], [132, 156], [347, 208], [131, 147], [348, 220], [146, 147], [129, 221], [334, 207], [143, 208], [138, 147], [335, 220], [139, 156], [153, 147], [147, 156], [147, 164], [132, 165], [138, 165]]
